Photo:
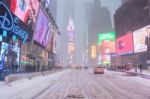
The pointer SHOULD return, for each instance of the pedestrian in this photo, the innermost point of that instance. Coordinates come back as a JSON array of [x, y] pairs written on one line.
[[136, 68], [149, 69], [140, 66]]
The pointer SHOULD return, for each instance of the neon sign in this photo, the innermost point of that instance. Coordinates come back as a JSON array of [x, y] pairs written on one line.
[[10, 22]]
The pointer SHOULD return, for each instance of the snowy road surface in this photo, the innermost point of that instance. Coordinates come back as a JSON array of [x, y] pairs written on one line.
[[78, 84]]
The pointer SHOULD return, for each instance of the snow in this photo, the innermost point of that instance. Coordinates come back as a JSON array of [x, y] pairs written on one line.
[[78, 83]]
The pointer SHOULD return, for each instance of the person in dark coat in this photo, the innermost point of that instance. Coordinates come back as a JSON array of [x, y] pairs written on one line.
[[140, 66]]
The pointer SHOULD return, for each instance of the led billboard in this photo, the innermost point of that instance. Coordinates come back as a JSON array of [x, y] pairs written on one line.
[[104, 59], [41, 27], [47, 37], [55, 39], [141, 38], [93, 51], [71, 48], [106, 42], [124, 44], [20, 8], [34, 5]]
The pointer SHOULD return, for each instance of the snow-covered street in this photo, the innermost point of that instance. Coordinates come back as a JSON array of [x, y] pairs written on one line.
[[78, 84]]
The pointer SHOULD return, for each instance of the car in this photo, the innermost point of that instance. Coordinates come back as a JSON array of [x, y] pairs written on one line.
[[98, 70]]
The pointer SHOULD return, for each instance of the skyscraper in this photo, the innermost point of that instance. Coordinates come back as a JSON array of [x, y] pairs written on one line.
[[99, 21], [65, 10]]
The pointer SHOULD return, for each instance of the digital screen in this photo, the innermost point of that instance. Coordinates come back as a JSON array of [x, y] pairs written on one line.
[[4, 33], [104, 59], [8, 49], [14, 37], [4, 48], [106, 42], [47, 37], [41, 28], [140, 37], [124, 44], [71, 48], [93, 51], [21, 9], [34, 5], [55, 39], [1, 38]]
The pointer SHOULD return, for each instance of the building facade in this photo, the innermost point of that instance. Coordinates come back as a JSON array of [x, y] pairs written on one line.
[[132, 17]]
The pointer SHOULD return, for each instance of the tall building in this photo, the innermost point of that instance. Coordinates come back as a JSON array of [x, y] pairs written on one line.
[[65, 10], [133, 17], [98, 21], [71, 41], [53, 8], [128, 16]]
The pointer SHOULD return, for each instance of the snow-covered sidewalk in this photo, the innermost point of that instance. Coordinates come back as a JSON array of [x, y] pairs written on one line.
[[25, 88], [144, 74], [144, 71]]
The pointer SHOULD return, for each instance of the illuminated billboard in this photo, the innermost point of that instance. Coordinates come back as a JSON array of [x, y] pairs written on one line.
[[9, 23], [55, 39], [104, 59], [34, 6], [21, 9], [106, 42], [141, 39], [71, 48], [41, 28], [93, 51], [124, 44], [47, 37]]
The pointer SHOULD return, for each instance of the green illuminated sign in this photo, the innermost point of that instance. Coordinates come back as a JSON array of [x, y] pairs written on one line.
[[111, 36]]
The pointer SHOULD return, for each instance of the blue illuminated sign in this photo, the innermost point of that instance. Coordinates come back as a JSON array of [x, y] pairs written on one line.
[[1, 38], [4, 33], [9, 22], [14, 38]]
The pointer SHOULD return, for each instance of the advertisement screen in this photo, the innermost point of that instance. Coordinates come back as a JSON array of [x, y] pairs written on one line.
[[104, 59], [4, 48], [9, 52], [41, 28], [47, 37], [20, 8], [55, 39], [142, 39], [93, 51], [71, 48], [124, 44], [106, 42], [34, 6]]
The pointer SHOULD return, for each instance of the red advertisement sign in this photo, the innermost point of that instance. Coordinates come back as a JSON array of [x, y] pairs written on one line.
[[124, 44], [20, 8]]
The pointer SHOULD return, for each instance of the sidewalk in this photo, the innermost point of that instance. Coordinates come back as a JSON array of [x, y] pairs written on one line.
[[144, 73], [14, 77]]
